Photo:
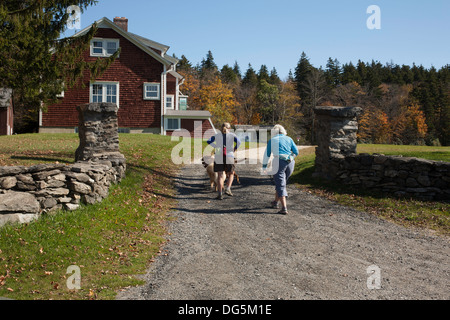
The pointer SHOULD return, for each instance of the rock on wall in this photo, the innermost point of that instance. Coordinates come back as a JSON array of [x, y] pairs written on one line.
[[335, 132], [98, 131]]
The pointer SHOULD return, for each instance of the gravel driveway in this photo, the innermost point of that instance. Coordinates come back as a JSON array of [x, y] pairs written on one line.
[[239, 248]]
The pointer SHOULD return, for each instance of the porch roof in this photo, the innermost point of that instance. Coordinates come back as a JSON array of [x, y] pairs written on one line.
[[190, 114]]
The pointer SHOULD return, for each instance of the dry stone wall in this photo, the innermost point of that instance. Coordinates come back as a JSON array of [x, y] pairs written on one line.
[[28, 192], [396, 175], [336, 158]]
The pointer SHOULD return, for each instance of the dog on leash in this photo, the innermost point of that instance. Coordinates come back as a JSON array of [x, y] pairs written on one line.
[[208, 163]]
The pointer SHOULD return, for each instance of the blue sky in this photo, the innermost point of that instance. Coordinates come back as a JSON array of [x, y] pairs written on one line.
[[275, 33]]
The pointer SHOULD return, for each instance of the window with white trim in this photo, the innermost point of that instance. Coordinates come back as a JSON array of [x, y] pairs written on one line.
[[104, 47], [104, 92], [173, 124], [152, 91], [182, 103], [170, 102]]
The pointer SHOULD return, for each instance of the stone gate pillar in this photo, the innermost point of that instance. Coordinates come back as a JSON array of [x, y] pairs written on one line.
[[335, 133], [99, 137]]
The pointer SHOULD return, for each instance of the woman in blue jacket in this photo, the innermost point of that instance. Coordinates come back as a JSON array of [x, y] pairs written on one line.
[[284, 152]]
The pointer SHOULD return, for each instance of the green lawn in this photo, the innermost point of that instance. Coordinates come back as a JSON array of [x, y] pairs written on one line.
[[432, 215], [425, 152]]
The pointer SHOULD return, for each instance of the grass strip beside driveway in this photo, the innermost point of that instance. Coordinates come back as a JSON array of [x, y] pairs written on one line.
[[109, 242]]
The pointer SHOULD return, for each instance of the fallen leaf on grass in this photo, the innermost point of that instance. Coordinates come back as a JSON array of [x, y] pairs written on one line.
[[92, 294]]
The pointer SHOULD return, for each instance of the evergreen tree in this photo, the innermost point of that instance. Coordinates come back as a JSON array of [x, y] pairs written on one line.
[[302, 71], [350, 74], [250, 77], [419, 73], [274, 78], [392, 73], [263, 74], [333, 73], [362, 72], [268, 95], [209, 63], [374, 74], [431, 101], [443, 121], [237, 70], [407, 74], [208, 68], [184, 64], [228, 75], [290, 77]]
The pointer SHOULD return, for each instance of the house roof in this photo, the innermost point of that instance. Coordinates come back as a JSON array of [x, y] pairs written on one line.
[[150, 43], [144, 44], [5, 97]]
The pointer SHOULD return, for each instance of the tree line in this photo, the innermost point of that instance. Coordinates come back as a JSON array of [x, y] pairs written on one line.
[[401, 104]]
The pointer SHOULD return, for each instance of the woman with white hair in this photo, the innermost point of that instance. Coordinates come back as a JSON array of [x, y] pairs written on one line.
[[284, 152]]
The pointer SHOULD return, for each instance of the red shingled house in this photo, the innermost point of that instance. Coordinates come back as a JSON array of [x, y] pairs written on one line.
[[142, 81]]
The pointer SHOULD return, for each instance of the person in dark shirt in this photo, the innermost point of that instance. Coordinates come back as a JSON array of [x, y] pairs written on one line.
[[225, 144]]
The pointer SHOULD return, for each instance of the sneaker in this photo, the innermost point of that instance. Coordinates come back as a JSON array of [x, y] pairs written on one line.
[[228, 192], [283, 211], [220, 197], [274, 204]]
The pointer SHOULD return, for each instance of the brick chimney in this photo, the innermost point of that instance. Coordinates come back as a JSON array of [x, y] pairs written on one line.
[[121, 22]]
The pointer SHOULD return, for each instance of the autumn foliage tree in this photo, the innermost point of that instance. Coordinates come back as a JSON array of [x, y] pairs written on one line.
[[374, 126], [217, 98], [410, 126]]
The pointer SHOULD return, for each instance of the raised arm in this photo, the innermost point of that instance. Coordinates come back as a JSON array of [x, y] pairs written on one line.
[[211, 141], [237, 141]]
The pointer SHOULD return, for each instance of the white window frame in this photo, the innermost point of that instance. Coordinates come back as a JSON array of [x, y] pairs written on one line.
[[146, 84], [104, 47], [172, 129], [61, 94], [104, 85], [179, 102], [171, 96]]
